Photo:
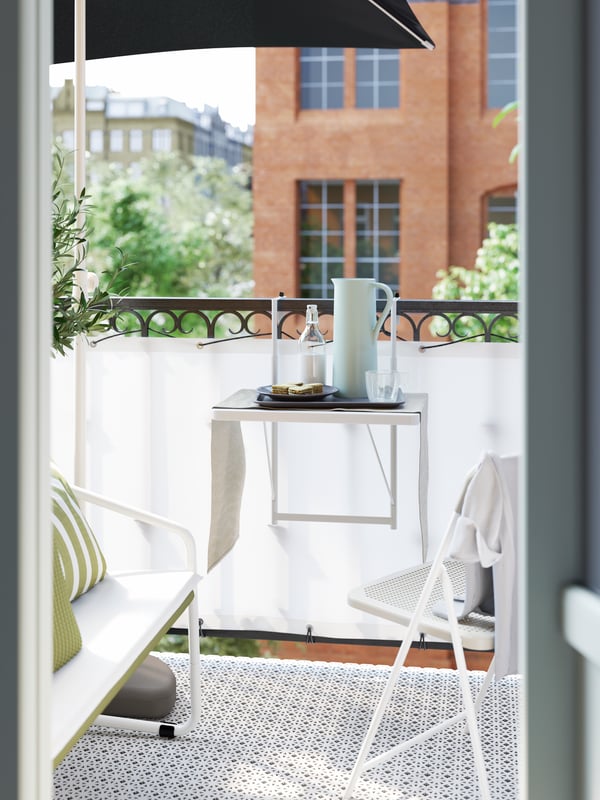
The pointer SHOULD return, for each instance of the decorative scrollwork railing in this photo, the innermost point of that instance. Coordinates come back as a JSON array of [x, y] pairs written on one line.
[[437, 322]]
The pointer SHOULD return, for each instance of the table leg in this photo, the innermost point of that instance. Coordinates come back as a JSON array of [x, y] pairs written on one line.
[[274, 474], [423, 482], [394, 477]]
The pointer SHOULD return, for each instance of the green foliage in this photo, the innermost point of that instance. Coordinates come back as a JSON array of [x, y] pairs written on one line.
[[184, 226], [75, 312], [211, 645], [495, 276], [509, 108]]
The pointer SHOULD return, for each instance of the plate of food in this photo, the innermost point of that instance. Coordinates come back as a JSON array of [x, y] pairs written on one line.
[[296, 391]]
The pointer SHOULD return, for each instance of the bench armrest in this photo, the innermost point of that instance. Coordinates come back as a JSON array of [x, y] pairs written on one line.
[[146, 517]]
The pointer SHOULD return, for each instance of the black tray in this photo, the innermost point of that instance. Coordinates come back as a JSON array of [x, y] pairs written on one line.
[[329, 402]]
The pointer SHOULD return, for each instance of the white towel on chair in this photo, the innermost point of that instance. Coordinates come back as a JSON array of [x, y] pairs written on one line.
[[484, 538], [228, 462], [479, 529]]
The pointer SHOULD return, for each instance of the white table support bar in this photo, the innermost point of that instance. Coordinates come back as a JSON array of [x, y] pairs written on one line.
[[272, 450], [242, 407], [354, 518], [391, 489], [274, 468], [269, 465]]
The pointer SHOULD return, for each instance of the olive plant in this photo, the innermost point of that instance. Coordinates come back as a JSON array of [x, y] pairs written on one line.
[[76, 310]]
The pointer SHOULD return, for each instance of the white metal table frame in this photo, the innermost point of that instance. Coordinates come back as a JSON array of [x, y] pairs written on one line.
[[242, 407]]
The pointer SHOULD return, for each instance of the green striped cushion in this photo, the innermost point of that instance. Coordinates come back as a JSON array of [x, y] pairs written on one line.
[[66, 633], [81, 558]]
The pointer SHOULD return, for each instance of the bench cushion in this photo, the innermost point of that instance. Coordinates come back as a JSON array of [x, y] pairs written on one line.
[[121, 620], [82, 560]]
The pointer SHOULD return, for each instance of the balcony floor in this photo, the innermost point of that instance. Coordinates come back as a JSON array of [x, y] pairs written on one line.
[[274, 728]]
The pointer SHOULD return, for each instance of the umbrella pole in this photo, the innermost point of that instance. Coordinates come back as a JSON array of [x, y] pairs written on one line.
[[81, 277]]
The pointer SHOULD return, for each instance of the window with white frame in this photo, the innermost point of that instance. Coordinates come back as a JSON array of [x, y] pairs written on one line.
[[377, 78], [161, 140], [116, 141], [136, 140], [97, 140], [321, 236], [321, 77], [502, 52], [378, 231]]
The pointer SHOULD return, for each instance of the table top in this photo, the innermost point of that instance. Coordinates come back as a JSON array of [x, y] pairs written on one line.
[[242, 407]]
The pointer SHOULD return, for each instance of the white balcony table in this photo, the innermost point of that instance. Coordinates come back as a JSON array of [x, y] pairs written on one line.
[[242, 407]]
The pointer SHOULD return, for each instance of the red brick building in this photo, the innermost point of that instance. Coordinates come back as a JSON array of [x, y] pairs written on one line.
[[384, 163]]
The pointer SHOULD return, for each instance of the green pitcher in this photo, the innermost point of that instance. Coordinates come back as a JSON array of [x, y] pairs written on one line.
[[355, 332]]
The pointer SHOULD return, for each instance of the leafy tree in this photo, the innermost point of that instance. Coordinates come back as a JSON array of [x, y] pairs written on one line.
[[186, 226], [127, 216], [495, 276]]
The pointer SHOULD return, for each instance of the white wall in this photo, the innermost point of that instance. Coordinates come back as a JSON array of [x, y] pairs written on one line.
[[148, 443]]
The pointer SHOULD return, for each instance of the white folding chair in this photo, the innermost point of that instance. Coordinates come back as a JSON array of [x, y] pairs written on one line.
[[482, 530]]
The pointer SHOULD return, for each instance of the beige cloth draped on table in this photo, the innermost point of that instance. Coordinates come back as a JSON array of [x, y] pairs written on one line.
[[228, 462]]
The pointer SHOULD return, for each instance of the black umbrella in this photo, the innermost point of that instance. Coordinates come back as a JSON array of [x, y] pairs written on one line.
[[127, 27]]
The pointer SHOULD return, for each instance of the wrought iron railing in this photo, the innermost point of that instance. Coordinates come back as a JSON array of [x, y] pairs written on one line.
[[436, 322]]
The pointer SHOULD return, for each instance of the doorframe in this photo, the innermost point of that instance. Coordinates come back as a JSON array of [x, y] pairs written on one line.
[[552, 181]]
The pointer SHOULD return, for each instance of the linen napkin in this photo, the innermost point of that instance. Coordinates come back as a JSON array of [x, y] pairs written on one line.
[[228, 463]]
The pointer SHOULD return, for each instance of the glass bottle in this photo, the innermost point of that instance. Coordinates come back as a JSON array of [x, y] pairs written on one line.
[[312, 349]]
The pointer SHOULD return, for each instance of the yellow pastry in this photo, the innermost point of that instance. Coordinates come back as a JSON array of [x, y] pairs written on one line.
[[281, 388], [306, 388]]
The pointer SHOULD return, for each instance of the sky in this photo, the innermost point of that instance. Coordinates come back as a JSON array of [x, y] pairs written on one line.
[[224, 78]]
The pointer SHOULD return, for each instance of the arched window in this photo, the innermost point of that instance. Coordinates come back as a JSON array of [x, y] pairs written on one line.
[[501, 207]]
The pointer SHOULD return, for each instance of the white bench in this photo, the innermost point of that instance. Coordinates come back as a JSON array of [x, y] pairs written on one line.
[[121, 620]]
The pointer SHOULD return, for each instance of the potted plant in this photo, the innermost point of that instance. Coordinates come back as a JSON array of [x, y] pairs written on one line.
[[77, 310]]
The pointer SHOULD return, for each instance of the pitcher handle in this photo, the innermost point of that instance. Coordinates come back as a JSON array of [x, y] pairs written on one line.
[[386, 310]]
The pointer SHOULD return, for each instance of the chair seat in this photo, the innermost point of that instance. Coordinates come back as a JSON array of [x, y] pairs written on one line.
[[394, 597]]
